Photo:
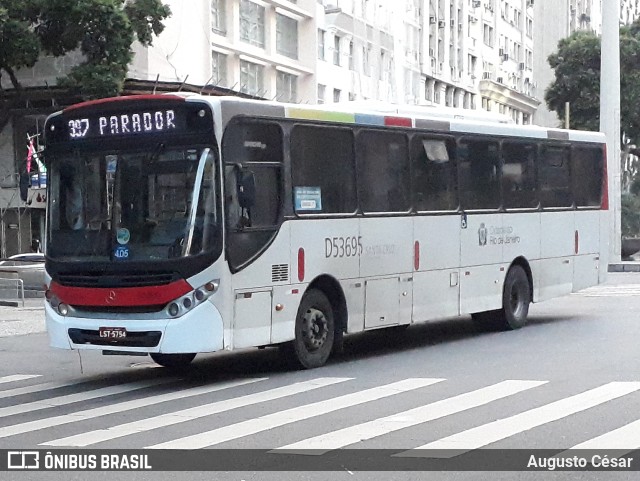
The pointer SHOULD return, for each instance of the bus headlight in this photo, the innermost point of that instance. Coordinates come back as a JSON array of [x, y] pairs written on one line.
[[184, 304], [63, 309], [173, 309]]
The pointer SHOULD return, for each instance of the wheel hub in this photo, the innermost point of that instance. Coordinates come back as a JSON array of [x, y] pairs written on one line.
[[315, 329]]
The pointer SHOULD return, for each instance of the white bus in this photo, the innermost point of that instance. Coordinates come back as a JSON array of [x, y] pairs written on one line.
[[180, 225]]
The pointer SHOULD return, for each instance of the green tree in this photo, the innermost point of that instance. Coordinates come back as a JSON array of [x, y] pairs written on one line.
[[576, 65], [102, 30]]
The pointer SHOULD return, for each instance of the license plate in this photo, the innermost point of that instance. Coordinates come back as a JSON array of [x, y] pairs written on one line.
[[112, 332]]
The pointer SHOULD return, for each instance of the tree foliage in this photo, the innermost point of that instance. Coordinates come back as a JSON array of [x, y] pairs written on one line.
[[577, 81], [102, 30]]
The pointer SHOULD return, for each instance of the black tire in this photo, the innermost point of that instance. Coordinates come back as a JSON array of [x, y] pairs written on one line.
[[173, 361], [516, 297], [314, 331]]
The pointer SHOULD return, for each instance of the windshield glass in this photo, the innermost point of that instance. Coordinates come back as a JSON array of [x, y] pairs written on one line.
[[134, 206]]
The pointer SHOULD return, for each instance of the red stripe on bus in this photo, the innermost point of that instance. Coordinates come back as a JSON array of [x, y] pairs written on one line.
[[605, 184], [398, 121], [120, 296], [145, 97], [416, 255], [300, 264]]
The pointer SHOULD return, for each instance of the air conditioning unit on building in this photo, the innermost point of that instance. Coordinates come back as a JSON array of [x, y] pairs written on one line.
[[499, 80], [432, 19], [475, 3], [441, 24], [473, 19]]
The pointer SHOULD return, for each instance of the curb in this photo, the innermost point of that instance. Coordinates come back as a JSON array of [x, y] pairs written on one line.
[[629, 266]]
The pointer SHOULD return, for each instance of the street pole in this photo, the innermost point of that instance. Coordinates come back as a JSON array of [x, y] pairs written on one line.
[[610, 116]]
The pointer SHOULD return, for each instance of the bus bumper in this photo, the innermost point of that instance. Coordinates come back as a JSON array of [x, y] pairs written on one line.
[[199, 330]]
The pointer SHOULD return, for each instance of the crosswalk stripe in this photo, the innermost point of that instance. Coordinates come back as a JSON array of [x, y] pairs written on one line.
[[17, 377], [281, 418], [625, 290], [79, 396], [92, 413], [625, 438], [429, 412], [497, 430], [47, 386], [164, 420]]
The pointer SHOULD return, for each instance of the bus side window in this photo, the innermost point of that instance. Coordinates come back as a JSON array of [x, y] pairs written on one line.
[[586, 174], [253, 148], [322, 158], [383, 171], [478, 164], [434, 173], [553, 177], [518, 175]]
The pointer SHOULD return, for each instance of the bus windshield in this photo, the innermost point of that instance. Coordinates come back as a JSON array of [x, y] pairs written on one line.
[[150, 205]]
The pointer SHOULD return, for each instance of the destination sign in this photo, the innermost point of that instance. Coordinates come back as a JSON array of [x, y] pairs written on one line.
[[136, 118], [123, 124]]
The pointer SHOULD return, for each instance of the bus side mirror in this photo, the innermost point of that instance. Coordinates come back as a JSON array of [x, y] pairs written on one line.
[[246, 184]]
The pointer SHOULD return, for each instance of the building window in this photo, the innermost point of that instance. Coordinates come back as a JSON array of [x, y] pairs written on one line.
[[286, 86], [351, 60], [321, 93], [252, 23], [336, 95], [218, 68], [336, 50], [286, 36], [366, 64], [218, 24], [251, 78], [321, 44]]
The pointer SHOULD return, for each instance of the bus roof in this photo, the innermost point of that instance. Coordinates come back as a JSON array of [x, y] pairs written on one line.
[[431, 118]]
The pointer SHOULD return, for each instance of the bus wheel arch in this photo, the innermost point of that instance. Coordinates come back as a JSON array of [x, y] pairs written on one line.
[[517, 295], [320, 323]]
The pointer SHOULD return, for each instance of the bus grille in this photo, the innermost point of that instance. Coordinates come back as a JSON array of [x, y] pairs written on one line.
[[128, 280], [279, 273]]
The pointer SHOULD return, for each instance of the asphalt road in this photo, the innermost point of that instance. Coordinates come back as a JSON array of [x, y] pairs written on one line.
[[570, 377]]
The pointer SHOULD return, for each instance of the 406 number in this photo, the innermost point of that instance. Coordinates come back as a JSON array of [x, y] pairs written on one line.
[[342, 246]]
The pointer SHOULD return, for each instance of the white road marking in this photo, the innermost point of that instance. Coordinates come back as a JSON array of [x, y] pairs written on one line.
[[497, 430], [92, 413], [17, 377], [436, 410], [79, 396], [164, 420], [288, 416]]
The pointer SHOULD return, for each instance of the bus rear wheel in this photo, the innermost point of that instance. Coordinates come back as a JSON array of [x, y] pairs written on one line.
[[516, 297], [172, 360], [314, 330]]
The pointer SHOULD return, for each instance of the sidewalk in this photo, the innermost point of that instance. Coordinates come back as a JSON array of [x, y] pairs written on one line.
[[15, 321]]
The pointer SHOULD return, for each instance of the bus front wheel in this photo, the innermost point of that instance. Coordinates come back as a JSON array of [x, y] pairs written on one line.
[[172, 360], [314, 330], [516, 297]]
